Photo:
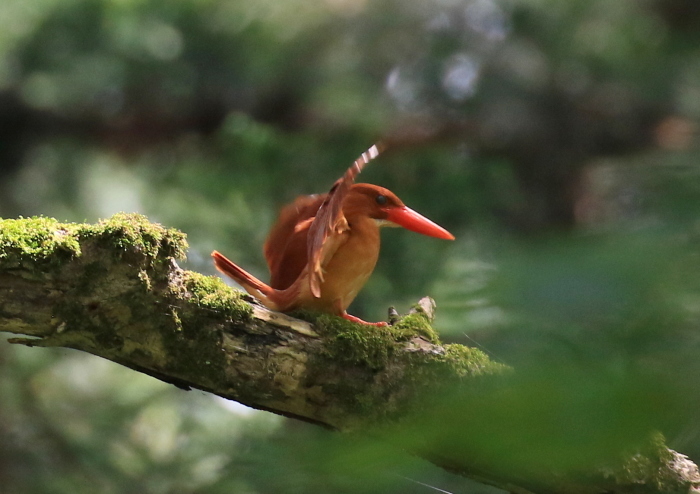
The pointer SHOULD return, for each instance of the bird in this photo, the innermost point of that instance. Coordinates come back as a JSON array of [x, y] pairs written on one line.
[[324, 247]]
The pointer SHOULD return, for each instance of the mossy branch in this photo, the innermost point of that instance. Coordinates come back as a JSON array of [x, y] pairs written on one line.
[[115, 290]]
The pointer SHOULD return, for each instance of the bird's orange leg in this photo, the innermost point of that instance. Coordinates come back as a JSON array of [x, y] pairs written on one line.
[[337, 305], [356, 319]]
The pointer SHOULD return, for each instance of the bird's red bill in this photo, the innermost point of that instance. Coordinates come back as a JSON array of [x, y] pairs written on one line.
[[411, 220]]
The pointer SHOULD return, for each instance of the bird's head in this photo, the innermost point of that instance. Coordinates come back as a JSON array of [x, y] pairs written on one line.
[[387, 209]]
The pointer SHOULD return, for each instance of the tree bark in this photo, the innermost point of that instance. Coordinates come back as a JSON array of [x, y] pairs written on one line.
[[115, 290]]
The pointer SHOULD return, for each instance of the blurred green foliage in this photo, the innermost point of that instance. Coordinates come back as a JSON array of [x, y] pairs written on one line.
[[556, 140]]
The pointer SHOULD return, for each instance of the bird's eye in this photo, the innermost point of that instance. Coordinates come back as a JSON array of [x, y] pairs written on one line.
[[381, 200]]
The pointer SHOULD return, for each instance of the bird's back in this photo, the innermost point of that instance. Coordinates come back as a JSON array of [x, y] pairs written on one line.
[[285, 249]]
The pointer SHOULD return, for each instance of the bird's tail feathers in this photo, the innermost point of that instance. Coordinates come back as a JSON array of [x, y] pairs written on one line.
[[251, 284]]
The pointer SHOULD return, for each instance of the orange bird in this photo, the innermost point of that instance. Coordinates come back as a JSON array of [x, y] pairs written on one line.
[[323, 248]]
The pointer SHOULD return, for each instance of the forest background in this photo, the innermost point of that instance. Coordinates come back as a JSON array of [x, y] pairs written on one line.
[[557, 140]]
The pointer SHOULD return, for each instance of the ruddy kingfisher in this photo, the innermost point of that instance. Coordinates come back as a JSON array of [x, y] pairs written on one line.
[[323, 248]]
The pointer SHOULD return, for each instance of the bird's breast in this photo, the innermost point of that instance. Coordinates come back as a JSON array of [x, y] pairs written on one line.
[[351, 266]]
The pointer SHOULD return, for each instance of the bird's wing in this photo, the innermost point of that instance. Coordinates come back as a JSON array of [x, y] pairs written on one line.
[[286, 245], [326, 231]]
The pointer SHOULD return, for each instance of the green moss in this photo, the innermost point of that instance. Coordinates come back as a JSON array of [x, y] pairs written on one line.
[[133, 233], [210, 292], [37, 240], [371, 346], [416, 324], [40, 240], [356, 343], [465, 361]]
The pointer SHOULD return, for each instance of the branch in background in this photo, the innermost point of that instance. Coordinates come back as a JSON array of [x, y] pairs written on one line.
[[114, 290]]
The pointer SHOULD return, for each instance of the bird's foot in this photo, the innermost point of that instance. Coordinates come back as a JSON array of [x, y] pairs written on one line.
[[360, 321]]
